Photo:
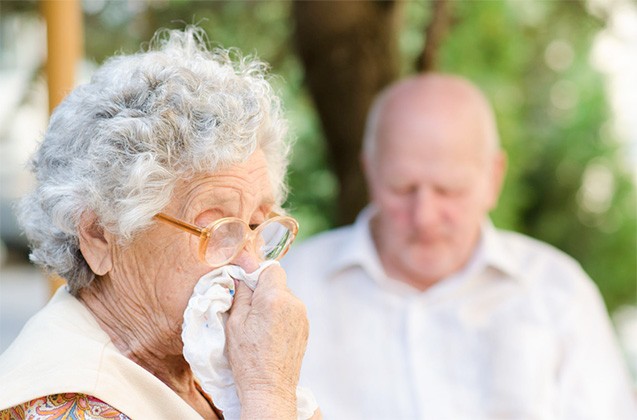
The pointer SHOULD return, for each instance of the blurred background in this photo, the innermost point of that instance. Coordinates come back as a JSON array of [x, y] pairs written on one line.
[[562, 76]]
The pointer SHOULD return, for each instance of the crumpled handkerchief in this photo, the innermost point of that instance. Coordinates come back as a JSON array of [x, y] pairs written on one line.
[[204, 339]]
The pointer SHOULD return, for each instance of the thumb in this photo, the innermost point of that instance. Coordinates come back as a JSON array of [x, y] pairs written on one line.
[[242, 298]]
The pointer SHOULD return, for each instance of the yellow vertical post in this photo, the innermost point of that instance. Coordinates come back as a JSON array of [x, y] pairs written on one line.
[[64, 38]]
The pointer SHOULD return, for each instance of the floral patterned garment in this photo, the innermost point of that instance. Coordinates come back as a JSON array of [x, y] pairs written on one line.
[[70, 406]]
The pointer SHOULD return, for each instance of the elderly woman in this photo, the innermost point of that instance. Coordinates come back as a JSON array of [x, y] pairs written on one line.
[[168, 164]]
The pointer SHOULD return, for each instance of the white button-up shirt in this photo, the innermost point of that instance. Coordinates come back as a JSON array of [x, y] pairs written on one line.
[[520, 333]]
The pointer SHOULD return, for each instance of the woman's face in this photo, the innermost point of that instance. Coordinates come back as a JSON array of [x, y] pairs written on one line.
[[161, 267]]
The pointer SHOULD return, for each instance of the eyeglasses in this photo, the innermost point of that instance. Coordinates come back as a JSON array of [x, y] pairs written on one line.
[[222, 240]]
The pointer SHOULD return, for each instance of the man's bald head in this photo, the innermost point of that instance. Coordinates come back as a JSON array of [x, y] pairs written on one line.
[[446, 98]]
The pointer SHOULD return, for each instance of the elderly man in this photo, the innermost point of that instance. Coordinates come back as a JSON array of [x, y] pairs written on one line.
[[423, 309]]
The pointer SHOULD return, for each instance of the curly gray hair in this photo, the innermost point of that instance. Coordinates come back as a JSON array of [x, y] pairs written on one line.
[[118, 145]]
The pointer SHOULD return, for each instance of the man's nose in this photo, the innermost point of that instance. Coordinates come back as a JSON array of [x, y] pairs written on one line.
[[425, 208]]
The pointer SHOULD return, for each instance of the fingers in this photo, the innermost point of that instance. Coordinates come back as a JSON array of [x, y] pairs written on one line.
[[272, 277], [266, 336], [242, 300]]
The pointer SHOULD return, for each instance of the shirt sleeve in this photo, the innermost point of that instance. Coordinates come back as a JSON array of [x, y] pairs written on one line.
[[63, 406], [593, 378]]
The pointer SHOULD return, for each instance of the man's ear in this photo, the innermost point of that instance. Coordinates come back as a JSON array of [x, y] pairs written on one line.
[[366, 167], [364, 161], [94, 244], [498, 172]]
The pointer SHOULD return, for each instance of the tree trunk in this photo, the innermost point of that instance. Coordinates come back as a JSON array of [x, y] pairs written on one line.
[[350, 52], [434, 34]]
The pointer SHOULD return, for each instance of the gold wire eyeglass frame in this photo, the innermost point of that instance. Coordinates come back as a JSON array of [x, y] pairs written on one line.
[[205, 233]]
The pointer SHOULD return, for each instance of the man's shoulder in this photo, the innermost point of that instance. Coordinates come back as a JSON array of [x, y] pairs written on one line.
[[552, 276], [526, 249], [543, 265]]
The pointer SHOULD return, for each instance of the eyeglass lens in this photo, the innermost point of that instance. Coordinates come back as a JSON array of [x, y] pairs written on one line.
[[271, 240]]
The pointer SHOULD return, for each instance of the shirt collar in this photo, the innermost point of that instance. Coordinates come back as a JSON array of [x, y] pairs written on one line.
[[495, 253], [361, 250]]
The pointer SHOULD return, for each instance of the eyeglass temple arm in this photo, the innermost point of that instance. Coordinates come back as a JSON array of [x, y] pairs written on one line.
[[195, 230]]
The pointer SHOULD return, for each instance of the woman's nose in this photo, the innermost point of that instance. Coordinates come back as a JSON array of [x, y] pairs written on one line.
[[247, 260]]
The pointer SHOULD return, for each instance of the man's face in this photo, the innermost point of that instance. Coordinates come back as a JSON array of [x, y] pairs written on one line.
[[433, 185]]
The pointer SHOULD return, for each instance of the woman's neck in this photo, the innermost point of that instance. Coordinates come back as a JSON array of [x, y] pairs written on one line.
[[144, 335]]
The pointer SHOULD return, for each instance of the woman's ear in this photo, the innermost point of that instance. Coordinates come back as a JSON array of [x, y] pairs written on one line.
[[95, 244]]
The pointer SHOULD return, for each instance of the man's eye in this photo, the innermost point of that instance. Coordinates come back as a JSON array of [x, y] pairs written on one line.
[[450, 192], [405, 190]]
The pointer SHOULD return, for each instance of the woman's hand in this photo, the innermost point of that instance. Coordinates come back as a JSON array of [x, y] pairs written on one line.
[[267, 334]]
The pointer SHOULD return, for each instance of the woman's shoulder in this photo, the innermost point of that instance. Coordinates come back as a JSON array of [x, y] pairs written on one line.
[[63, 406]]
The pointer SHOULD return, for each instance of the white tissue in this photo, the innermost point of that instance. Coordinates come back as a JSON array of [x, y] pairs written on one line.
[[204, 339]]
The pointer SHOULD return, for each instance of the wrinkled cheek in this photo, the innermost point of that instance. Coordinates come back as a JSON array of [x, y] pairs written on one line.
[[180, 286]]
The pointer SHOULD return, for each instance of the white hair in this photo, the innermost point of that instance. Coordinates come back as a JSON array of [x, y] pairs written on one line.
[[118, 145]]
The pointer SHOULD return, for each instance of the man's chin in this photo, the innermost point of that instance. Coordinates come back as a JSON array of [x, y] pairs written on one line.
[[429, 265], [427, 255]]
